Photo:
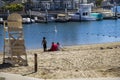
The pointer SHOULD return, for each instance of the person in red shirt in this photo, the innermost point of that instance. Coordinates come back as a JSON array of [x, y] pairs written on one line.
[[54, 47]]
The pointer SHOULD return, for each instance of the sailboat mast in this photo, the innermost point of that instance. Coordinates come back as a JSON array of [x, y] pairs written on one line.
[[115, 6]]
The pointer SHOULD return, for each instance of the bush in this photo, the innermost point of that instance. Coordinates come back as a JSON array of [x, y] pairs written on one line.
[[14, 7]]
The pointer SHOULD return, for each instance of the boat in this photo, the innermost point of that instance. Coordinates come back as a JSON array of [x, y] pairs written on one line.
[[44, 19], [50, 18], [108, 15], [40, 19], [27, 20], [1, 20], [97, 16], [84, 13], [62, 18]]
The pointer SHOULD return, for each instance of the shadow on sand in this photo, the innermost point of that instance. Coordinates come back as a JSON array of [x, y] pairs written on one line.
[[28, 73], [5, 65], [114, 71]]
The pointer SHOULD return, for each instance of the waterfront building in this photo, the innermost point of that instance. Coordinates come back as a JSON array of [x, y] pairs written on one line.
[[16, 1], [84, 1], [1, 3], [45, 4], [39, 4], [52, 4], [34, 5], [69, 4], [56, 4], [49, 4], [106, 4], [112, 1]]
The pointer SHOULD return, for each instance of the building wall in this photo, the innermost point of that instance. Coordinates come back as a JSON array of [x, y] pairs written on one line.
[[58, 4], [112, 1], [1, 3]]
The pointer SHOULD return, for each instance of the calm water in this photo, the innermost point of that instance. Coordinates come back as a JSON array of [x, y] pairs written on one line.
[[71, 33]]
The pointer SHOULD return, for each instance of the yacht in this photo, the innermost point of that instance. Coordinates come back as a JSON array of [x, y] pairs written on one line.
[[84, 13]]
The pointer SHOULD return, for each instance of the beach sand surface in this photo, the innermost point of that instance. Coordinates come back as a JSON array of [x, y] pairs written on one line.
[[83, 61]]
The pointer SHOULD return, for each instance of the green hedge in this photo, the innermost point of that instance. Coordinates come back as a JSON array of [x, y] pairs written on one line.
[[13, 7]]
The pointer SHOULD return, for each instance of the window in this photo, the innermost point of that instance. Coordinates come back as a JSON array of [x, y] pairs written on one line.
[[85, 14]]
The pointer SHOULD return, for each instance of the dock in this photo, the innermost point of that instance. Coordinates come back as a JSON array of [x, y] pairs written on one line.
[[34, 15]]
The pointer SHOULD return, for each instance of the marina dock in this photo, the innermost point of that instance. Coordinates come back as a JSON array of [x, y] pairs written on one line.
[[52, 15]]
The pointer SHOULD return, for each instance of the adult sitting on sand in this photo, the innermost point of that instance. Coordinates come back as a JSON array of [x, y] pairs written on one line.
[[59, 46], [54, 47]]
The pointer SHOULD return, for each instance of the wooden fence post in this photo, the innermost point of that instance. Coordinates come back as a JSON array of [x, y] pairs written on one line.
[[35, 64]]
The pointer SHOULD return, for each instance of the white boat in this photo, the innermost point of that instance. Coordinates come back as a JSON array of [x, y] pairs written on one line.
[[1, 20], [77, 17], [108, 14], [84, 14], [44, 19], [27, 20]]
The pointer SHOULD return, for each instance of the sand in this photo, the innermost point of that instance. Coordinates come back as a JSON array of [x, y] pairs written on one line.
[[86, 61]]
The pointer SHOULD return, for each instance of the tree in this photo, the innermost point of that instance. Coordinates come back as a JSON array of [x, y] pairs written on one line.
[[13, 7]]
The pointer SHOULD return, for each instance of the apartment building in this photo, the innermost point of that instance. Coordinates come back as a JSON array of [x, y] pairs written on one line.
[[1, 3], [55, 4], [18, 1], [113, 1]]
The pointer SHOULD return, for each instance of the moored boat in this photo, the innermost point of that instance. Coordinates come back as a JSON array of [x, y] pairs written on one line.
[[84, 13], [97, 16], [107, 15], [62, 18], [44, 19], [1, 20], [27, 20]]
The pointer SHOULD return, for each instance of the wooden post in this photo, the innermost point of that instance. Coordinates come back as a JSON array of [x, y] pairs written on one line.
[[35, 64]]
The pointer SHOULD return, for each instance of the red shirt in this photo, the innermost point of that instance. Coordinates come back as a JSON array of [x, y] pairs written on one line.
[[54, 47]]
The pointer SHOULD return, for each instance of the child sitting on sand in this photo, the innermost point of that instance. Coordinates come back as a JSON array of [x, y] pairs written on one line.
[[59, 47]]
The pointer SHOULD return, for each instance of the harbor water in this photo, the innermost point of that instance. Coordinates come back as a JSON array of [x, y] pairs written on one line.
[[70, 33]]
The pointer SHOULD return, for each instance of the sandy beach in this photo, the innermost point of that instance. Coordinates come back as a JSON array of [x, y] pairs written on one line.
[[84, 61]]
